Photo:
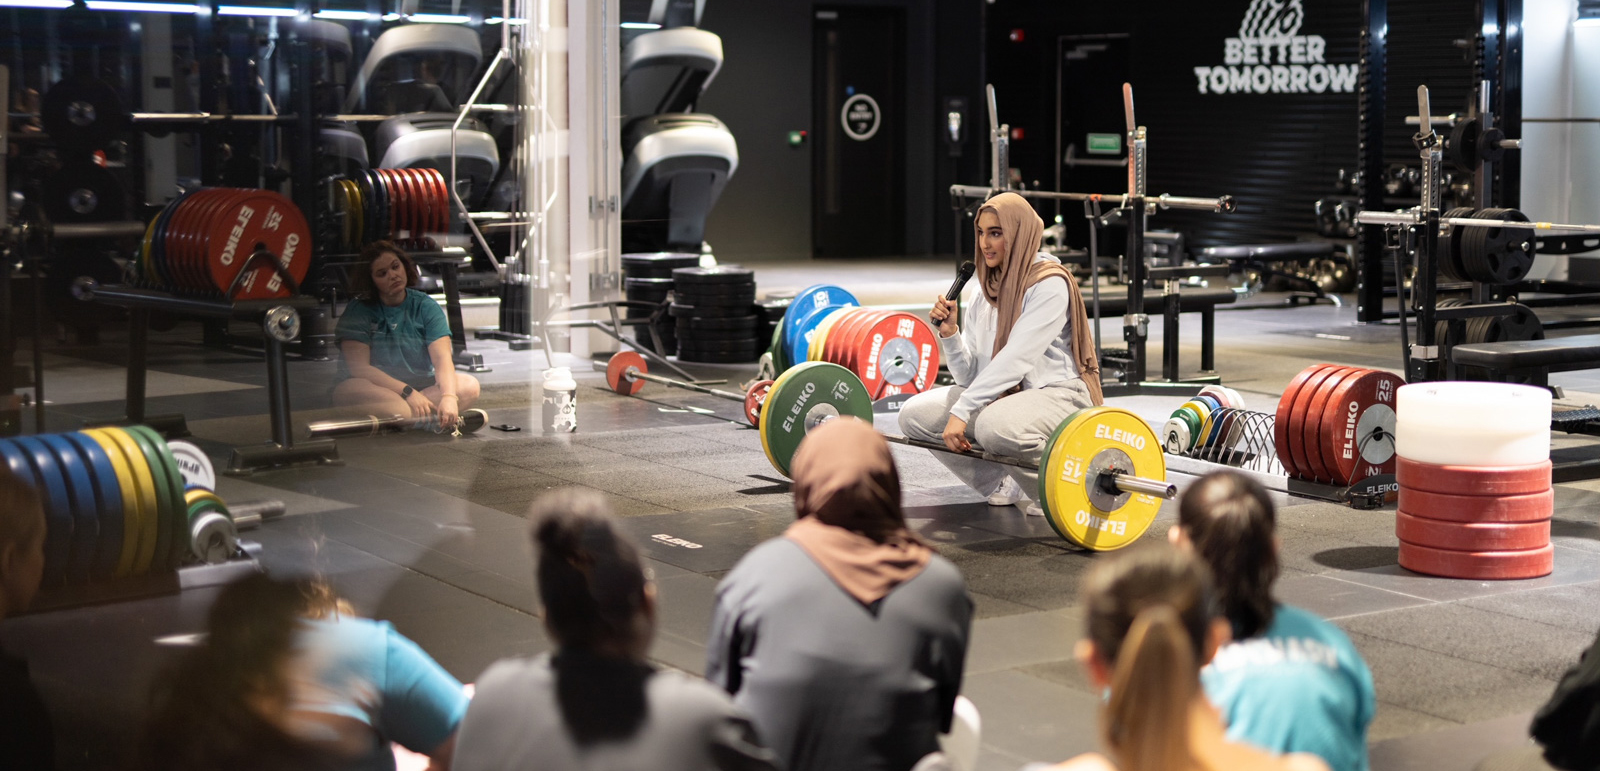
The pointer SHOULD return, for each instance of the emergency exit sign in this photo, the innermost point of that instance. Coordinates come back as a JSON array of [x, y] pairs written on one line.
[[1104, 144]]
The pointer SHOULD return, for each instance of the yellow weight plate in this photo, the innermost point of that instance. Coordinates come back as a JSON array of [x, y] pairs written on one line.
[[1093, 440], [765, 414], [132, 516], [144, 247], [360, 212], [144, 489], [814, 352]]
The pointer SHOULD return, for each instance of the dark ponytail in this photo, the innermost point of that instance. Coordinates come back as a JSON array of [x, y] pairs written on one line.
[[1148, 613], [591, 580], [596, 606], [1230, 520]]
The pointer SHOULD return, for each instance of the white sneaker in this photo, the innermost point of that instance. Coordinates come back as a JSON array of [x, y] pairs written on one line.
[[1007, 494], [1032, 509]]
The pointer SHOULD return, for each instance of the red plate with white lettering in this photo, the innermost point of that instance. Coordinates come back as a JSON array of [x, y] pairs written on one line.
[[1298, 416], [1472, 480], [264, 219], [1472, 536], [428, 200], [195, 247], [413, 202], [753, 399], [1280, 425], [896, 354], [1478, 565], [850, 342], [839, 335], [1529, 507], [1316, 417], [1357, 440], [177, 268]]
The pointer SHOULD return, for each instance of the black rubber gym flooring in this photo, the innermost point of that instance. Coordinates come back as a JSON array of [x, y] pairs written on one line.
[[426, 531]]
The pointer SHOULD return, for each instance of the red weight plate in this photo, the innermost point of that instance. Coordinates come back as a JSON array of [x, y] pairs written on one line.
[[399, 217], [841, 344], [1472, 480], [1280, 425], [1471, 536], [412, 202], [619, 364], [876, 347], [839, 331], [1315, 418], [426, 221], [196, 245], [264, 218], [753, 399], [441, 193], [1357, 440], [1530, 507], [1478, 565], [852, 358], [430, 197], [176, 231], [1297, 420]]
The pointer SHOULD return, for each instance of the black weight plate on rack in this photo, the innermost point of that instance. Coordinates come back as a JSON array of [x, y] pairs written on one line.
[[720, 274], [740, 301], [1508, 252], [729, 288], [84, 191], [647, 283], [82, 114], [750, 347], [716, 336], [1449, 253], [1523, 324], [746, 324]]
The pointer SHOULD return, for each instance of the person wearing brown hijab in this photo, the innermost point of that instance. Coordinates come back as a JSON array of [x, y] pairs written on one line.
[[844, 639], [1024, 361]]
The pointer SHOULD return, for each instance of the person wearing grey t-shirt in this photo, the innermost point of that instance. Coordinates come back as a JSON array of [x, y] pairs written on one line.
[[597, 702], [1024, 362]]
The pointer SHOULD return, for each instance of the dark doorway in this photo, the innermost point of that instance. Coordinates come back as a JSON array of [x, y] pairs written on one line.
[[858, 120], [1091, 130]]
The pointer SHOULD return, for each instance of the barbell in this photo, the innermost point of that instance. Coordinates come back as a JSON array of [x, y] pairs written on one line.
[[1101, 476], [471, 421]]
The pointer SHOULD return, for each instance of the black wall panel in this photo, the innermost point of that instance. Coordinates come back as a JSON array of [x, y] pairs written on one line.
[[1432, 44]]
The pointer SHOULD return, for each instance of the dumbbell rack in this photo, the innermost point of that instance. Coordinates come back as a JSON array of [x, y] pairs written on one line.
[[1416, 232], [1133, 207]]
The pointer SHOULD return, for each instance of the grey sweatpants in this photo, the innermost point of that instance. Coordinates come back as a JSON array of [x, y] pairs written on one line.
[[1016, 426]]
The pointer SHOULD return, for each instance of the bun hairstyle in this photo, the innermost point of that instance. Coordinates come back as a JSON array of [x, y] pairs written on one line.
[[1148, 613], [361, 279], [1230, 520], [591, 580]]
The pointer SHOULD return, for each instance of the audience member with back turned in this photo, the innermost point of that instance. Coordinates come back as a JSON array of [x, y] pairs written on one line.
[[1289, 681], [596, 702], [26, 740], [397, 357], [845, 638], [1149, 625], [288, 677]]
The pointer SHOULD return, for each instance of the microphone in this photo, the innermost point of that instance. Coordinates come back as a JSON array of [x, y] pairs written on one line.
[[963, 274]]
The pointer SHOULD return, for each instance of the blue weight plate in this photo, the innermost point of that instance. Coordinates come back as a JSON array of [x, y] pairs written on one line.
[[810, 299], [80, 557], [85, 504], [800, 344], [108, 502], [58, 519], [57, 541], [1211, 425]]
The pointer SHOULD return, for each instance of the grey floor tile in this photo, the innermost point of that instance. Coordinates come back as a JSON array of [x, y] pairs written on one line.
[[1456, 748], [1473, 634], [1574, 606], [703, 541], [684, 606], [1393, 720], [1022, 640], [1033, 718], [1040, 576], [1572, 567], [1330, 597], [1447, 687]]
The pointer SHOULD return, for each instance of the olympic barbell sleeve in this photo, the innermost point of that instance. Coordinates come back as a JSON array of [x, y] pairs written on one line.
[[1122, 482], [1423, 111]]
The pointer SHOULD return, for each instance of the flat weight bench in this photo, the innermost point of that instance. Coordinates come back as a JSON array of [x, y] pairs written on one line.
[[1203, 301], [1530, 357], [1261, 257]]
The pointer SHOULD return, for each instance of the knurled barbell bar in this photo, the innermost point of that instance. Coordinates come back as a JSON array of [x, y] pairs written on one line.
[[471, 421], [1101, 477]]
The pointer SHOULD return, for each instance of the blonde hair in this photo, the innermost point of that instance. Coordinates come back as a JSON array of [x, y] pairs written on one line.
[[1148, 613]]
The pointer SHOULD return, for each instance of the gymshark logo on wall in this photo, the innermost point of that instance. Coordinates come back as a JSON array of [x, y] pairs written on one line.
[[1270, 57]]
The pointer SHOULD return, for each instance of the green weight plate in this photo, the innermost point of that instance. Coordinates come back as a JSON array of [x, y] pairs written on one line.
[[174, 486], [801, 399], [780, 361], [161, 557]]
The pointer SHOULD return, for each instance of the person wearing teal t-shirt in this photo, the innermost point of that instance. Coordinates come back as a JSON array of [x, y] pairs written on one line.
[[396, 344], [1289, 681]]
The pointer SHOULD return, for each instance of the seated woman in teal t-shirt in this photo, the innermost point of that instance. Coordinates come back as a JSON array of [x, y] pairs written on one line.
[[396, 344], [1289, 681]]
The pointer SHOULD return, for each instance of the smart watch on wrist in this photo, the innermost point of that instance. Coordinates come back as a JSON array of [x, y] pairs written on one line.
[[405, 393]]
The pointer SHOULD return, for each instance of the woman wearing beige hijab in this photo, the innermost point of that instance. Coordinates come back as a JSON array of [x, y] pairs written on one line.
[[843, 639], [1024, 361]]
